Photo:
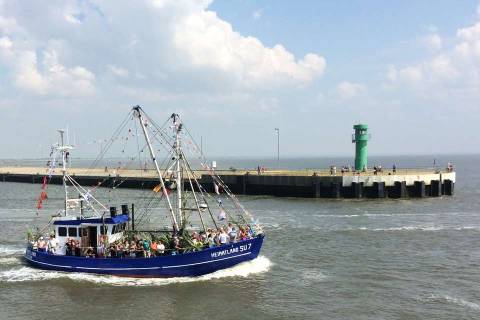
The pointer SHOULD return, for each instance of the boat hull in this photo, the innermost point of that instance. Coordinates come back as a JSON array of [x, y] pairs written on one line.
[[182, 265]]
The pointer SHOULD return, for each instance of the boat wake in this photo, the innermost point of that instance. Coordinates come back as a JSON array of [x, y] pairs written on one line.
[[437, 298], [258, 265]]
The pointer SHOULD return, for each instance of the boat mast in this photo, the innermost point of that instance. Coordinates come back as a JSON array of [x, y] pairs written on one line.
[[64, 169], [177, 126], [138, 114]]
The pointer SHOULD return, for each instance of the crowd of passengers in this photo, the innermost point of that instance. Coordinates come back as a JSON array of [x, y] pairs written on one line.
[[144, 248]]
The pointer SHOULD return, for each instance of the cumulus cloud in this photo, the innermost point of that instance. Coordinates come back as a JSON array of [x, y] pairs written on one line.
[[177, 44], [347, 90], [45, 74], [208, 41], [451, 67]]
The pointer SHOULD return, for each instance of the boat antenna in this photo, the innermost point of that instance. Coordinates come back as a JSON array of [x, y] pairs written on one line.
[[137, 111]]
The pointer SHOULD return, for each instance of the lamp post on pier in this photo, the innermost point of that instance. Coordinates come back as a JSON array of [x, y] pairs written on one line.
[[278, 147]]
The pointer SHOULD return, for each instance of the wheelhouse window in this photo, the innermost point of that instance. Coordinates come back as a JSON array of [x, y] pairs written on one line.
[[62, 231], [72, 232]]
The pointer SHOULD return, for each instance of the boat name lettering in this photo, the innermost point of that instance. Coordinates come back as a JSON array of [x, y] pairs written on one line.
[[245, 247], [226, 252]]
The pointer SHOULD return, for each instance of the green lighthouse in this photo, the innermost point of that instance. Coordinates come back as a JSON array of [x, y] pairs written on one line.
[[360, 138]]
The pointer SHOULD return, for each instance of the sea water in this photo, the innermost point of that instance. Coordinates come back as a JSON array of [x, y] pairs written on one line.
[[321, 259]]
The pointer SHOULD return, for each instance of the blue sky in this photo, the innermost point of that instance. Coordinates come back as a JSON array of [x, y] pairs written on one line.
[[237, 69]]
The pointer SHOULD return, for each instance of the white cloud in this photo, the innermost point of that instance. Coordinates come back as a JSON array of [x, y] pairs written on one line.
[[27, 75], [441, 67], [5, 43], [347, 90], [410, 74], [469, 33], [433, 41], [450, 68], [47, 76], [8, 24], [208, 41], [118, 71], [72, 19], [179, 44]]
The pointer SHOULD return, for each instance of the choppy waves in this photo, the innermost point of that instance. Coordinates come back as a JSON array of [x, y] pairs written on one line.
[[6, 250], [421, 228], [9, 260], [22, 274]]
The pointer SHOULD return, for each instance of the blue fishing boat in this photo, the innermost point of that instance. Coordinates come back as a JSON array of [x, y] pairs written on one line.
[[86, 236]]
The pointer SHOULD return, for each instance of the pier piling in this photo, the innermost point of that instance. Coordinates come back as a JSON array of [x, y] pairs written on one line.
[[419, 189]]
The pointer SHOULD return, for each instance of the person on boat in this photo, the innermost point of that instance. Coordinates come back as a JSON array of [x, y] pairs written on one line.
[[132, 249], [52, 244], [243, 234], [42, 245], [233, 234], [216, 238], [211, 241], [78, 248], [160, 248], [69, 247], [139, 253], [153, 248], [223, 237], [119, 249], [203, 237], [112, 251], [34, 245], [176, 245], [90, 253], [146, 248], [101, 249]]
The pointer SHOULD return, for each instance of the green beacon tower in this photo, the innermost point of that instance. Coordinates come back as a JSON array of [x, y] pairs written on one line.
[[360, 138]]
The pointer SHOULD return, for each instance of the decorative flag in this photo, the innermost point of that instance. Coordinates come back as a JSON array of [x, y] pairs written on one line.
[[44, 182], [39, 204], [222, 215], [159, 188], [43, 195]]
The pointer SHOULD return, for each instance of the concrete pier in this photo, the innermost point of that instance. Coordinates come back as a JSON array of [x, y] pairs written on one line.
[[405, 183]]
